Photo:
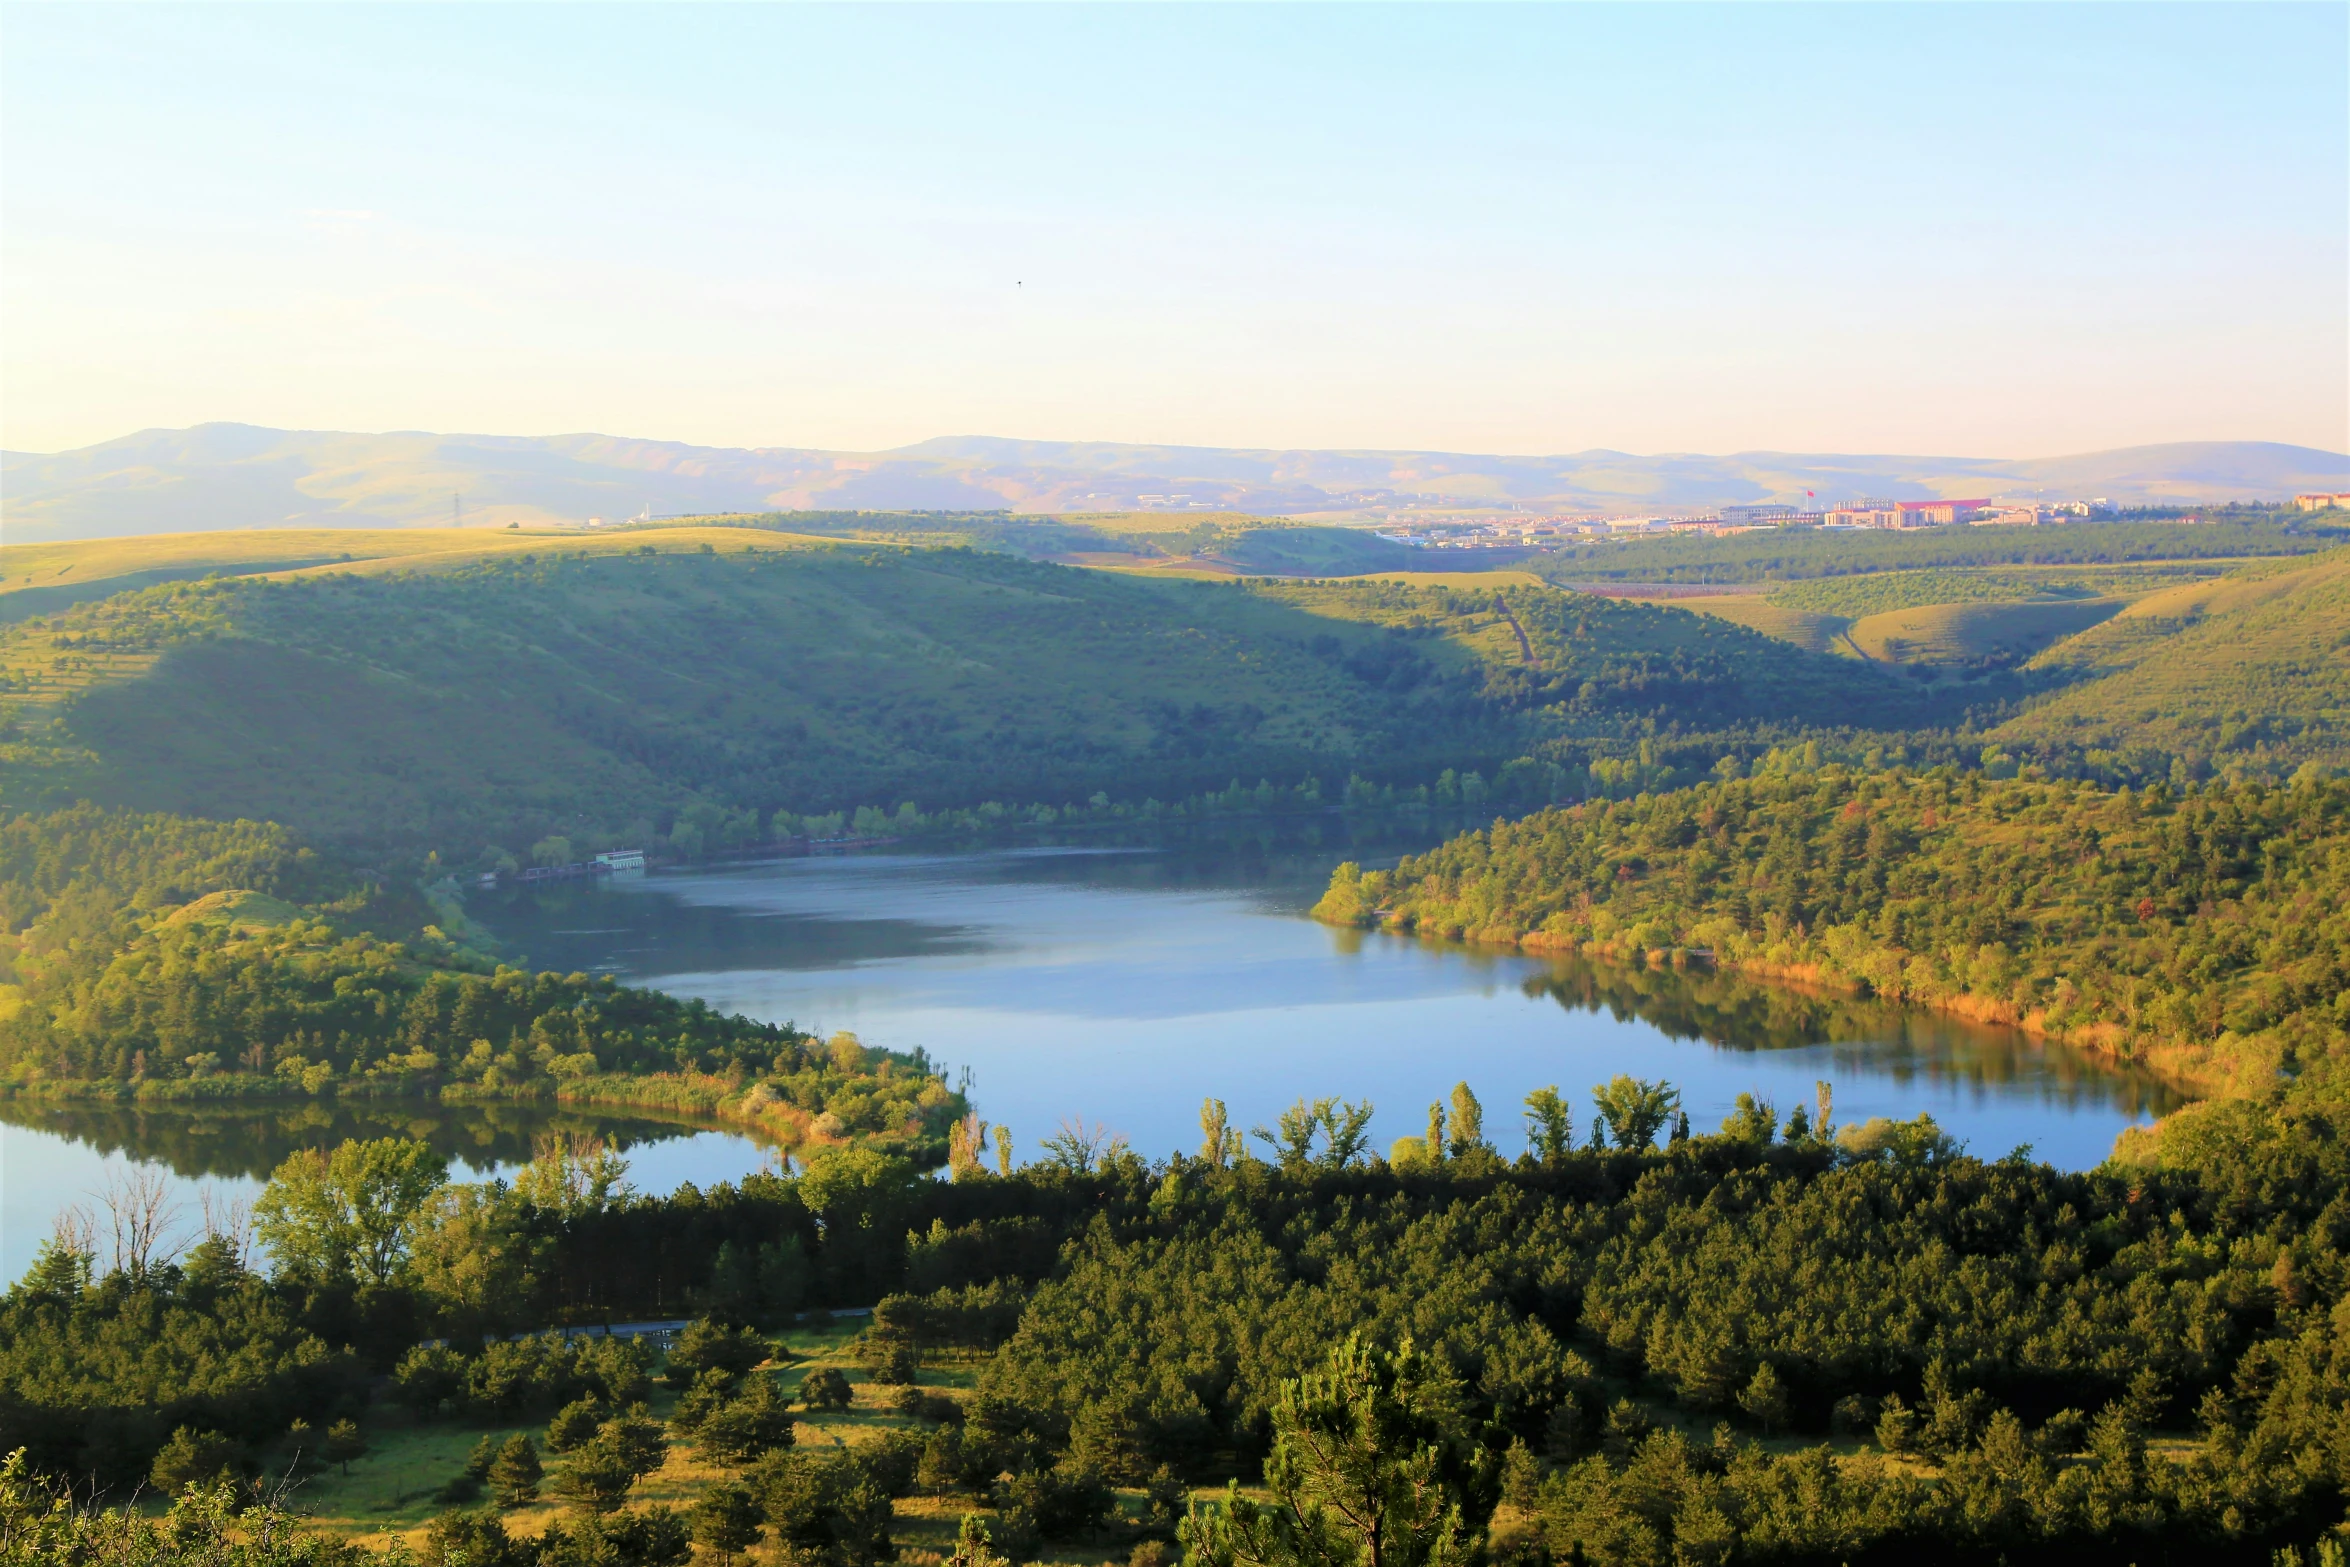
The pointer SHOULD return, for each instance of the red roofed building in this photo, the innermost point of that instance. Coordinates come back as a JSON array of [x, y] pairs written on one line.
[[1926, 514]]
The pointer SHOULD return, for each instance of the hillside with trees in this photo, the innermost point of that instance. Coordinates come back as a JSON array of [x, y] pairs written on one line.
[[2198, 930], [596, 696]]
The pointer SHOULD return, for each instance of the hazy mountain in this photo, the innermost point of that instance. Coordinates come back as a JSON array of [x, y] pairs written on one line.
[[243, 476]]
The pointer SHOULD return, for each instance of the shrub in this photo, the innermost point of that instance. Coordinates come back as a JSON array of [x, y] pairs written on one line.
[[889, 1355], [656, 1537], [430, 1380], [193, 1457], [714, 1346], [476, 1538], [710, 1390], [825, 1389], [596, 1477], [754, 1422]]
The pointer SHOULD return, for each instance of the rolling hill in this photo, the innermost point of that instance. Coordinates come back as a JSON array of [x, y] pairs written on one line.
[[220, 476], [1990, 634], [452, 696], [2252, 670]]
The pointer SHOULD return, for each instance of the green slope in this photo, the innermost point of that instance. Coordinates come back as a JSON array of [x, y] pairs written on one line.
[[1979, 634], [498, 699], [2253, 670]]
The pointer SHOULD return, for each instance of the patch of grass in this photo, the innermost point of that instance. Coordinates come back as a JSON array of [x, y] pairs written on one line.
[[392, 1492], [1821, 633], [1979, 633], [238, 910]]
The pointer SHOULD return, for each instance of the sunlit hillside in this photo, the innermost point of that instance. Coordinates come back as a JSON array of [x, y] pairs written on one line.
[[499, 686]]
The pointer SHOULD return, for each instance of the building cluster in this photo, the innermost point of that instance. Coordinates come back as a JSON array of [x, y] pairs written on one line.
[[1491, 532], [2323, 500]]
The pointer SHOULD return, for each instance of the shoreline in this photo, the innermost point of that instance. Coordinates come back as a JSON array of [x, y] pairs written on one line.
[[2190, 1070], [709, 1101]]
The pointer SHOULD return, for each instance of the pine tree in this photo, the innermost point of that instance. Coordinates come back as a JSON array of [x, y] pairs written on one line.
[[343, 1443], [515, 1473], [726, 1520]]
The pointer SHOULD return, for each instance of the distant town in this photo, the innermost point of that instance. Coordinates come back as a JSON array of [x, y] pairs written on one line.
[[1484, 530]]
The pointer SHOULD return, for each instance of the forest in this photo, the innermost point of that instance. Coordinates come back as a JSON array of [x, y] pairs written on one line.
[[2199, 930], [243, 812], [1776, 1341]]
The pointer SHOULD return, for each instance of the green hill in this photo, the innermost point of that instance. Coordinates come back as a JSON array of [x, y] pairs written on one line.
[[498, 692], [1820, 633], [1984, 634], [2253, 670]]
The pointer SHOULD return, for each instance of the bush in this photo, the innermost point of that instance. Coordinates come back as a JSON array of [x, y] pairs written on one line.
[[541, 1372], [430, 1380], [710, 1390], [618, 1368], [755, 1421], [826, 1389], [918, 1403], [714, 1346], [823, 1510], [596, 1477], [891, 1461], [656, 1537], [1065, 1501], [476, 1538], [890, 1356], [193, 1458], [726, 1521]]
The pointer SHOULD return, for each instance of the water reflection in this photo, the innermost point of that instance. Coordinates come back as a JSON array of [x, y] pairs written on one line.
[[57, 1156], [1124, 981], [249, 1141], [1859, 1036], [1127, 981]]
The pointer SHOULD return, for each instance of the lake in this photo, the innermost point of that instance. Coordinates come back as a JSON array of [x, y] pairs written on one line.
[[1121, 984]]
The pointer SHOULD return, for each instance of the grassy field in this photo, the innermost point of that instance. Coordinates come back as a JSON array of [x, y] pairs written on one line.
[[1818, 632], [389, 1495], [1978, 633]]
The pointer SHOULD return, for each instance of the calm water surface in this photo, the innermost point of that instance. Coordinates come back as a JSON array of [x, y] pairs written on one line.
[[1122, 985]]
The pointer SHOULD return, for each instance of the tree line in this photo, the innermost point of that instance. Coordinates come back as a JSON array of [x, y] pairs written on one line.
[[2196, 929]]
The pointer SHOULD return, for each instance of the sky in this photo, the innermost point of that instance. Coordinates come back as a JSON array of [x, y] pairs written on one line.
[[1983, 230]]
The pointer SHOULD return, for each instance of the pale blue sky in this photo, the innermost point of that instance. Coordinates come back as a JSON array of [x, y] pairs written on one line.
[[1997, 230]]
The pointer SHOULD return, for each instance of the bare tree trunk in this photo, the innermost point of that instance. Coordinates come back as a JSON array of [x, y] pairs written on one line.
[[229, 1220], [144, 1220]]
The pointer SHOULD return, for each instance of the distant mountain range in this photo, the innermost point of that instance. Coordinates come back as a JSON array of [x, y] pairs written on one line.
[[244, 476]]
